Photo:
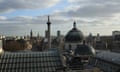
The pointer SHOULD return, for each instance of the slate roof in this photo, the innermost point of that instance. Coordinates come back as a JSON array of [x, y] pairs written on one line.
[[47, 61], [109, 56], [74, 35]]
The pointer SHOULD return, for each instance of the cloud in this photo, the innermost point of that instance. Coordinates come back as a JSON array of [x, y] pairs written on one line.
[[23, 24], [11, 5], [92, 8], [91, 16], [34, 20], [2, 17], [93, 12]]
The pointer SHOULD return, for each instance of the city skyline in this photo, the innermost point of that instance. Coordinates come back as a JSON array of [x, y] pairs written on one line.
[[18, 17]]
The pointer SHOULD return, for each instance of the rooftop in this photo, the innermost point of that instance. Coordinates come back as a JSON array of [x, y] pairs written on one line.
[[48, 61], [109, 56]]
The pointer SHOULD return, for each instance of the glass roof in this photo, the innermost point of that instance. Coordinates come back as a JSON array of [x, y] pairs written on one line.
[[30, 61]]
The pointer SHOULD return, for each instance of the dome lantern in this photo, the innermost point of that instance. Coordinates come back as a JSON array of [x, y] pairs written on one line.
[[74, 24]]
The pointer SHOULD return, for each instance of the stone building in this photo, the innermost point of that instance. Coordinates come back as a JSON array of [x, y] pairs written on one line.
[[77, 51]]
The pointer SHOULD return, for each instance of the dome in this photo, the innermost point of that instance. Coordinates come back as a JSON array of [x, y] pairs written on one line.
[[74, 35], [84, 50]]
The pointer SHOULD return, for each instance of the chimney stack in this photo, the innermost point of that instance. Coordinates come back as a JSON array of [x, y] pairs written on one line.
[[58, 33]]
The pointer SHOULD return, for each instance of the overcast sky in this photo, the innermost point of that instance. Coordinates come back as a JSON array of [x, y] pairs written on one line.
[[18, 17]]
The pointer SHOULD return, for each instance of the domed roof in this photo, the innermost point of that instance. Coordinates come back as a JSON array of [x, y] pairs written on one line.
[[74, 35], [84, 50]]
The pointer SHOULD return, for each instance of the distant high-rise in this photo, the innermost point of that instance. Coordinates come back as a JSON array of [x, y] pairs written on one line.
[[90, 39], [49, 32], [116, 41], [98, 37]]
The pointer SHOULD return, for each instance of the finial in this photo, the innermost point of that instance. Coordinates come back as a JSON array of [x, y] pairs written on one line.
[[48, 20], [74, 24]]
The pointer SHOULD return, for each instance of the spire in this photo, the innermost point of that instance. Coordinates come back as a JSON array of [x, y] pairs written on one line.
[[48, 20], [38, 35], [31, 34], [74, 24]]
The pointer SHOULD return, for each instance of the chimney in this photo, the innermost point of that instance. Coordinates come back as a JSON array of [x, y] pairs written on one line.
[[49, 32], [58, 33]]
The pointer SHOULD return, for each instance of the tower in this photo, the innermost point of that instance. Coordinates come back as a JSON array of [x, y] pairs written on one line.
[[38, 36], [46, 34], [98, 37], [49, 32], [31, 34]]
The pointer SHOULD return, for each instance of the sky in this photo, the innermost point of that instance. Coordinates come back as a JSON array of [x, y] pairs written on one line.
[[18, 17]]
